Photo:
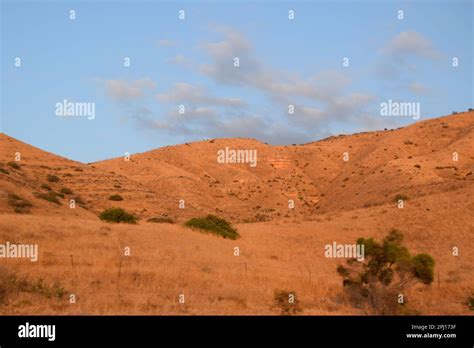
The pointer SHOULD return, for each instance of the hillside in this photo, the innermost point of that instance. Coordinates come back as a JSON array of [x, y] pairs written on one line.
[[412, 161], [281, 249]]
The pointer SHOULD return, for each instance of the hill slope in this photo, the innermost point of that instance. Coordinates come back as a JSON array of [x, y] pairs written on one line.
[[335, 201], [412, 161]]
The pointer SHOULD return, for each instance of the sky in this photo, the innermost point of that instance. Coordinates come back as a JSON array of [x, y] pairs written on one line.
[[335, 63]]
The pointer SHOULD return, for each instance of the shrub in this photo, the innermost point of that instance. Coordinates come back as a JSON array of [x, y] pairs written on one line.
[[11, 285], [117, 215], [52, 178], [66, 191], [287, 302], [400, 197], [387, 269], [423, 268], [79, 200], [19, 204], [46, 187], [161, 220], [470, 302], [14, 165], [214, 225], [4, 171], [50, 196], [116, 198]]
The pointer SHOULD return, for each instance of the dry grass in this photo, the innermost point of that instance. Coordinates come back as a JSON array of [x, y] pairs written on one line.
[[86, 257], [282, 249]]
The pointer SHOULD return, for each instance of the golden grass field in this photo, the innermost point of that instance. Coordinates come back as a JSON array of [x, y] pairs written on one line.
[[85, 256]]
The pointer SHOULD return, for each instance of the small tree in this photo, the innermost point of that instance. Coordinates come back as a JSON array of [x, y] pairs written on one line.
[[386, 271]]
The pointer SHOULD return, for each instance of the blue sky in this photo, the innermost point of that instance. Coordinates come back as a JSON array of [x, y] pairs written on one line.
[[190, 62]]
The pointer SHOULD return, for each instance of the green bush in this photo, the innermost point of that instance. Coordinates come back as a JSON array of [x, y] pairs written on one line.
[[4, 171], [116, 198], [161, 220], [117, 215], [214, 225], [66, 191], [400, 197], [53, 178], [14, 165], [387, 269], [46, 187], [424, 267], [19, 204], [50, 196]]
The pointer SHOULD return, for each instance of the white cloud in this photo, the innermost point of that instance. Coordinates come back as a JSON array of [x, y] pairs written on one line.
[[121, 90], [326, 88], [411, 43], [187, 93], [418, 88], [320, 99]]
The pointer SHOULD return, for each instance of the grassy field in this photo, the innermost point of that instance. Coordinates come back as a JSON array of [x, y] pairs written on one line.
[[86, 258]]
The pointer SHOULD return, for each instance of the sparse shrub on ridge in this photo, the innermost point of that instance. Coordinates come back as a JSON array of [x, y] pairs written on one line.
[[116, 198], [14, 165], [400, 197], [79, 200], [214, 225], [19, 204], [53, 178], [46, 187], [117, 215], [161, 220], [50, 196], [66, 191]]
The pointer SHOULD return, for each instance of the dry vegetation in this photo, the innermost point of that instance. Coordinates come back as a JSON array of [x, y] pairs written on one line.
[[281, 250]]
